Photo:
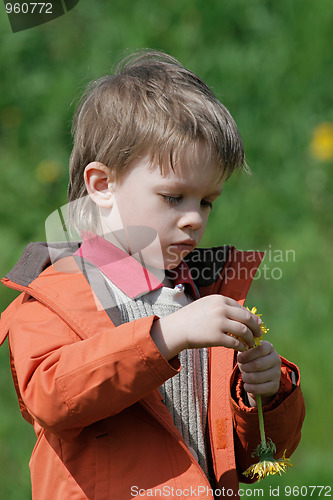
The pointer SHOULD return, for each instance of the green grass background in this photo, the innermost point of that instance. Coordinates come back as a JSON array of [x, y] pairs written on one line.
[[270, 62]]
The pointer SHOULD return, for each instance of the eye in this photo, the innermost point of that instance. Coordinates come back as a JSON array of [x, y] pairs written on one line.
[[208, 204], [172, 200]]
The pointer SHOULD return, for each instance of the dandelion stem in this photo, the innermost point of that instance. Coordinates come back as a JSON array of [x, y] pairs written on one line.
[[261, 421]]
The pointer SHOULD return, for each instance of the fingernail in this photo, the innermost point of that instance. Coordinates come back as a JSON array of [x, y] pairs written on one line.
[[241, 347]]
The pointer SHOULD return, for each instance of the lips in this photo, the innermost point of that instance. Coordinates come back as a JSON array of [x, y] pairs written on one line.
[[185, 245], [188, 242], [178, 251]]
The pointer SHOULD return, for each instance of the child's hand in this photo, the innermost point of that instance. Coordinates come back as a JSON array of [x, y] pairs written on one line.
[[261, 372], [206, 322]]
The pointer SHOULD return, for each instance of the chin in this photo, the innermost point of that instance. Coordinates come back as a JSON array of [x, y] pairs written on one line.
[[168, 266]]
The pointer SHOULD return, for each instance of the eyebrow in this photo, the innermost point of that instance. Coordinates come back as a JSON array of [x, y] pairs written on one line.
[[180, 185]]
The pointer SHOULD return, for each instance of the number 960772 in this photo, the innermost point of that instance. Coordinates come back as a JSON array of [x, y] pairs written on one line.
[[29, 8]]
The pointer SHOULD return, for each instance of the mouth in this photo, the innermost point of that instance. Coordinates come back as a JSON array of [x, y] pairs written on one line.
[[178, 251], [187, 245]]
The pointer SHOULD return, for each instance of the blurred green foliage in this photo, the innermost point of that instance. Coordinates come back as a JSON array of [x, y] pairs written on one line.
[[271, 64]]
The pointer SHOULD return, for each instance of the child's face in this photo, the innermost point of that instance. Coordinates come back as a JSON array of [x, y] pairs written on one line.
[[176, 205]]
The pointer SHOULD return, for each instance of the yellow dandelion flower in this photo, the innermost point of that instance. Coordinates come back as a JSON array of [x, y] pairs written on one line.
[[257, 340], [321, 146], [265, 450], [265, 467], [264, 329]]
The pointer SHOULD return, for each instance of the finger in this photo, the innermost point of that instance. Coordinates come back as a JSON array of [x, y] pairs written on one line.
[[259, 352], [239, 330], [255, 378], [265, 389], [245, 317], [232, 343], [258, 365], [233, 303], [270, 362]]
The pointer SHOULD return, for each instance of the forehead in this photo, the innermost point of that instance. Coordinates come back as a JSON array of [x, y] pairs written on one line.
[[184, 163], [188, 177], [193, 168]]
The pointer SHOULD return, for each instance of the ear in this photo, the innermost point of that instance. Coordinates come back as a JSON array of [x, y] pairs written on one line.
[[99, 182]]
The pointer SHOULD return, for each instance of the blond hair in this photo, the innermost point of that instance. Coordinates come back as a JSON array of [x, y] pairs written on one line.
[[152, 106]]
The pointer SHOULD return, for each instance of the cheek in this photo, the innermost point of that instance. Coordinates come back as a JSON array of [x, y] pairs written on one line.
[[204, 225], [131, 214]]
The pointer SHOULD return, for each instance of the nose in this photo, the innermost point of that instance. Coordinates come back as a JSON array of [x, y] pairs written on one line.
[[191, 218]]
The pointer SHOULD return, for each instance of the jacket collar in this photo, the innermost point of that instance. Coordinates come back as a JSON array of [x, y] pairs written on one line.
[[64, 289], [126, 272]]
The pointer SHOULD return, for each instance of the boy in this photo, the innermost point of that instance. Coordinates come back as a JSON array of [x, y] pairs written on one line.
[[124, 351]]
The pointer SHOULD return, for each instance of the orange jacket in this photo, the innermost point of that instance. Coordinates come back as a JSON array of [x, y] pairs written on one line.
[[91, 391]]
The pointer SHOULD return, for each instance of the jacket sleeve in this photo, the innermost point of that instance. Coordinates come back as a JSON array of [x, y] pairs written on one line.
[[67, 383], [283, 418]]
